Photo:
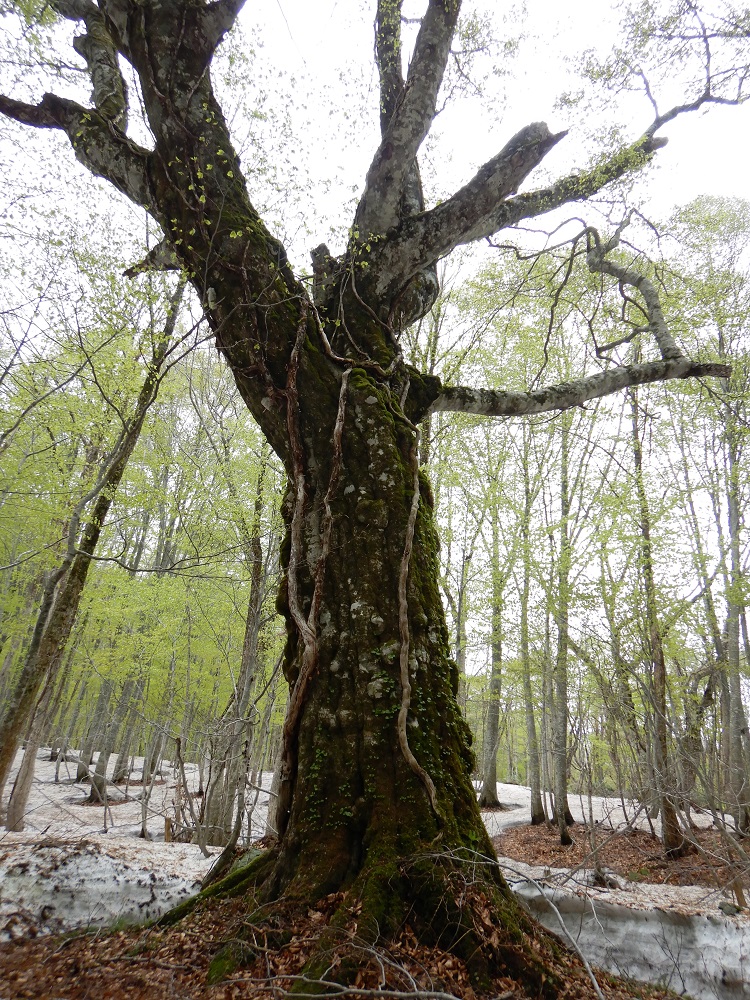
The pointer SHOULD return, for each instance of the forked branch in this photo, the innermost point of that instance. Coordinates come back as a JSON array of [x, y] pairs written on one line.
[[410, 121]]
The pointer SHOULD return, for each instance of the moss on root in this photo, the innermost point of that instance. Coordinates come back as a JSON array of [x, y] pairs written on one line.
[[237, 882]]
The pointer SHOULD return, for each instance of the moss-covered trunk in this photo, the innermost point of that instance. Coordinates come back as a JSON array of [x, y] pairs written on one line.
[[354, 798], [376, 799], [375, 796]]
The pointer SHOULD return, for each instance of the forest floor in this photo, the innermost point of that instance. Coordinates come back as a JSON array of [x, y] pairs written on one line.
[[634, 856], [173, 963], [65, 872]]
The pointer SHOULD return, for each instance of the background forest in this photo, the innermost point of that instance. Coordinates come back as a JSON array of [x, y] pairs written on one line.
[[593, 564]]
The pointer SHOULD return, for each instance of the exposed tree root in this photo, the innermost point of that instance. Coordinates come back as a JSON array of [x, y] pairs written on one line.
[[457, 909], [437, 928]]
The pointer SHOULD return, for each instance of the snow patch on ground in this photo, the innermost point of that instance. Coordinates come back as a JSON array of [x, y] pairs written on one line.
[[675, 936], [77, 865], [54, 885]]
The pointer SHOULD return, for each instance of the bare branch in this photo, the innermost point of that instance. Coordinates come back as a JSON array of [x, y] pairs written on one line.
[[162, 257], [378, 210], [598, 262], [496, 403], [98, 144]]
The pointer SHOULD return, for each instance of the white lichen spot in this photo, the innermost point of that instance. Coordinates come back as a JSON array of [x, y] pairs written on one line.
[[348, 489], [390, 650], [371, 400], [326, 718], [375, 688]]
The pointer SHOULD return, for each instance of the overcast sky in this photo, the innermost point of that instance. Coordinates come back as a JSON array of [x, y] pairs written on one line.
[[707, 152]]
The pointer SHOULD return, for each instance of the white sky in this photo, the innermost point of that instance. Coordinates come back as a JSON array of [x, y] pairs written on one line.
[[707, 152]]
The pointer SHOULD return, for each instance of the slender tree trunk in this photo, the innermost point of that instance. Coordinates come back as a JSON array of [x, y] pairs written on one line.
[[488, 794], [532, 742], [111, 736], [96, 730], [560, 716], [738, 773], [19, 796], [672, 838], [227, 764], [120, 770]]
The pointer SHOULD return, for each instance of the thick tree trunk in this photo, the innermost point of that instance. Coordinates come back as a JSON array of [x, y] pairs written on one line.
[[376, 756], [380, 688]]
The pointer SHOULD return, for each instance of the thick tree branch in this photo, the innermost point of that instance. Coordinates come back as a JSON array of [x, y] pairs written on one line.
[[98, 49], [378, 210], [98, 144], [388, 56], [495, 403]]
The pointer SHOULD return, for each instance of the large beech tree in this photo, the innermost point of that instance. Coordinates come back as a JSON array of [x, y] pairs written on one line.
[[375, 791]]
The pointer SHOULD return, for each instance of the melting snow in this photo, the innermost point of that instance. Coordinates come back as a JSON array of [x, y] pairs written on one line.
[[74, 867]]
